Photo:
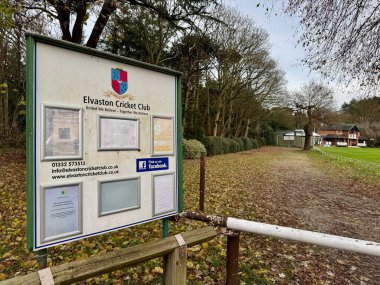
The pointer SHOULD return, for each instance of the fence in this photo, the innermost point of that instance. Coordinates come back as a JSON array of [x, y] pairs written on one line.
[[173, 248]]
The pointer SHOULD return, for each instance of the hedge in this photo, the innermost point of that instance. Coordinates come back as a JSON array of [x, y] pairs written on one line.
[[218, 145], [247, 143], [193, 149], [255, 143], [240, 143], [233, 145]]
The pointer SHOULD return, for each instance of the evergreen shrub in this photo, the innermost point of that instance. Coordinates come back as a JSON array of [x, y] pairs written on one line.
[[225, 145], [263, 141], [240, 143], [193, 149], [213, 145], [247, 143], [234, 145], [255, 143]]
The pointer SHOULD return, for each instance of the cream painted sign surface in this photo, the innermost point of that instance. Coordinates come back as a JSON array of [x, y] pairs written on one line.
[[93, 119]]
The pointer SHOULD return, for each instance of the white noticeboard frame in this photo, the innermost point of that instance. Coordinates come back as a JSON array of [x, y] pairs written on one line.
[[162, 135], [164, 196], [122, 195], [59, 141], [89, 131], [61, 211], [128, 137]]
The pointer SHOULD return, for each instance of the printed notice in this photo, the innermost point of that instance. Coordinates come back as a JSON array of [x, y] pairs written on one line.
[[119, 133], [61, 212], [164, 197], [62, 132], [163, 134]]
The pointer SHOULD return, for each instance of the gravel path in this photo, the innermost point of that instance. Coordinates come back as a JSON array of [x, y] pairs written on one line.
[[307, 195]]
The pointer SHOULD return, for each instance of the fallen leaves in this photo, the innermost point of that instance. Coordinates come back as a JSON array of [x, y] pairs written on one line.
[[262, 185]]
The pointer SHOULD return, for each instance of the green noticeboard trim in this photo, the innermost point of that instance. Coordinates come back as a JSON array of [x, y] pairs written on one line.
[[30, 48], [179, 145], [31, 40]]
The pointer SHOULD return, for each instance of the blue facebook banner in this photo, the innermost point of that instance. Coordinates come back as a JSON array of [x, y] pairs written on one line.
[[152, 164]]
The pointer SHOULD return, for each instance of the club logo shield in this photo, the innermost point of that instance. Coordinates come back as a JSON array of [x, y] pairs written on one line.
[[119, 81]]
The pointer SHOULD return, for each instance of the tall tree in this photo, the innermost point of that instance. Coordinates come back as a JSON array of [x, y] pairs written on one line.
[[341, 37], [314, 100], [73, 15], [13, 21]]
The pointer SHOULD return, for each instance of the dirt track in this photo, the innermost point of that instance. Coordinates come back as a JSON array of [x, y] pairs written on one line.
[[304, 193]]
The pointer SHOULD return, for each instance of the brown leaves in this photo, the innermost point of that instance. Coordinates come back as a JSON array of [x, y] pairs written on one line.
[[274, 185]]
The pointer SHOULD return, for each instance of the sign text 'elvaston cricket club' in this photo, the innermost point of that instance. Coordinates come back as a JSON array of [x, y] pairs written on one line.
[[119, 83]]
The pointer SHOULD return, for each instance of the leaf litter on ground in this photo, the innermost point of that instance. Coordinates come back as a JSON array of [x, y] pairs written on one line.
[[283, 186]]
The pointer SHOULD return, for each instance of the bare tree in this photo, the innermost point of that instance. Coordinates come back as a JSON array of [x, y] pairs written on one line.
[[341, 37], [314, 100], [73, 15]]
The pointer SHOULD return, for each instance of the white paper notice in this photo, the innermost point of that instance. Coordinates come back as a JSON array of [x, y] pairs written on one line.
[[163, 135], [62, 132], [61, 211], [163, 194], [118, 133]]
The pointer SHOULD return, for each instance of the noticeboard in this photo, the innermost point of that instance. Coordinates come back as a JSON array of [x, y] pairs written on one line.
[[103, 142]]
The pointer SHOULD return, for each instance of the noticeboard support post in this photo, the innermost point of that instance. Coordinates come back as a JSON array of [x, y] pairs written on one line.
[[42, 258], [165, 228]]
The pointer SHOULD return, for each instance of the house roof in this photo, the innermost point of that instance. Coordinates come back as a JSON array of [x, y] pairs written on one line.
[[300, 133], [341, 127]]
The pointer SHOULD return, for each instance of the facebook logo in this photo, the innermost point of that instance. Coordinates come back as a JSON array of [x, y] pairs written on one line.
[[142, 165]]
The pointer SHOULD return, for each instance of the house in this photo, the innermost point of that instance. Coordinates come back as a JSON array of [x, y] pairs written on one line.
[[340, 135], [295, 138]]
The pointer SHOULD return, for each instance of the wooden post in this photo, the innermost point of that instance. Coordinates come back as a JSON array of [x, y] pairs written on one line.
[[81, 270], [233, 258], [175, 270], [202, 182]]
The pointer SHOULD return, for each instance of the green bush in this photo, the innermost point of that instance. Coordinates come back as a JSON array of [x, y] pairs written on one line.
[[193, 149], [255, 143], [240, 143], [234, 146], [213, 145], [247, 143], [225, 145], [217, 145], [262, 141]]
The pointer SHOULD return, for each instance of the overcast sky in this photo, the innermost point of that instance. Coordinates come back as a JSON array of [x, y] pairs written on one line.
[[282, 30]]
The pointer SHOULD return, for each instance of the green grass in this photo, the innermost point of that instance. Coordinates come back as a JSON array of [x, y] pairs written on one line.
[[364, 154]]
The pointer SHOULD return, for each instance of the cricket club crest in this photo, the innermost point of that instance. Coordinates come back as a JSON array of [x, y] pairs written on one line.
[[119, 79]]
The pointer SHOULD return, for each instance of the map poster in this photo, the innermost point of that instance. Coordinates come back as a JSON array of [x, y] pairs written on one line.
[[61, 213], [118, 133], [163, 136], [62, 133], [163, 193]]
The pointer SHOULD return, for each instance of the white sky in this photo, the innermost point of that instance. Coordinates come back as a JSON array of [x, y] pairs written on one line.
[[282, 30]]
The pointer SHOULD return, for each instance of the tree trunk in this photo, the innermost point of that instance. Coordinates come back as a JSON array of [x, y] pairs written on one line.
[[108, 8], [308, 128], [247, 128], [186, 101], [215, 129]]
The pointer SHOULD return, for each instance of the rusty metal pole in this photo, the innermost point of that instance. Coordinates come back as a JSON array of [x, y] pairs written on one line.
[[233, 258], [42, 258], [202, 182]]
